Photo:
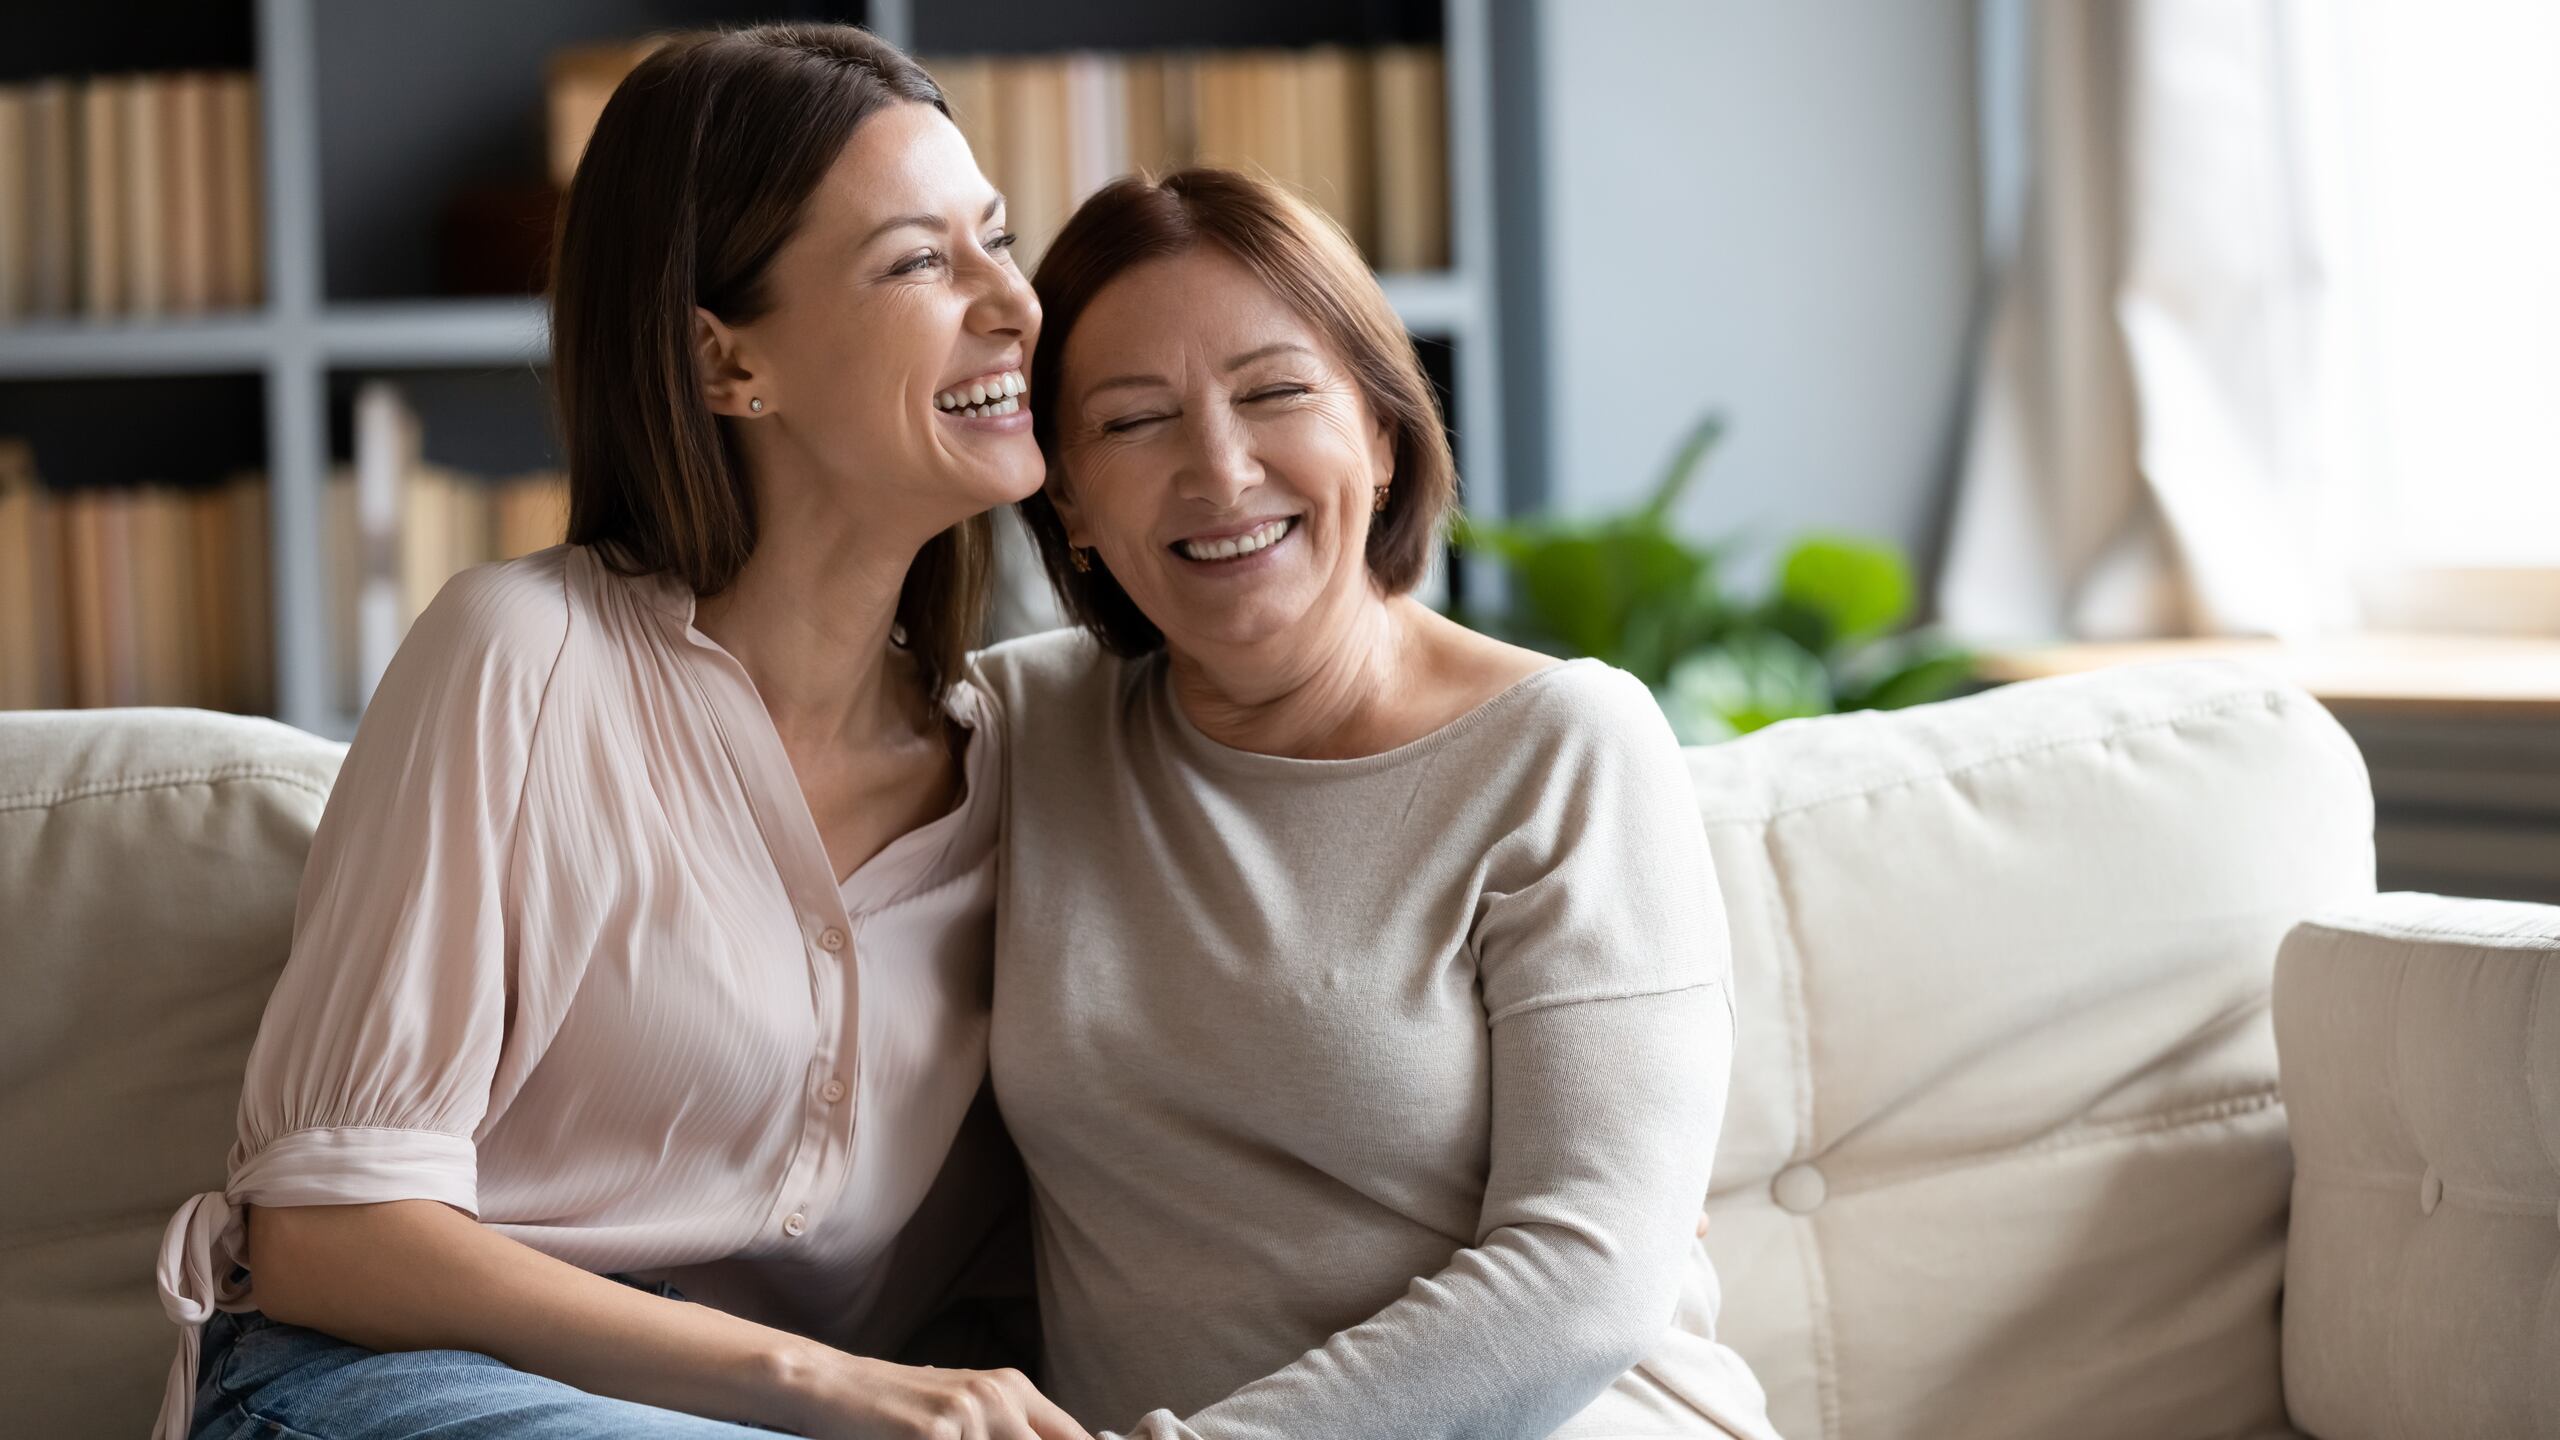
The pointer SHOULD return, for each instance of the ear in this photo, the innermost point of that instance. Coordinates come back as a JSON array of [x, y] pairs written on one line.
[[1062, 499], [1382, 453], [719, 360]]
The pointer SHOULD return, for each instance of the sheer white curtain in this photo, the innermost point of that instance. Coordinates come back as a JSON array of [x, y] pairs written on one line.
[[2155, 445], [2276, 343]]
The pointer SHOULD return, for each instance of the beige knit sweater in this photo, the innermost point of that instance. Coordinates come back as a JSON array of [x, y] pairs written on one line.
[[1371, 1097]]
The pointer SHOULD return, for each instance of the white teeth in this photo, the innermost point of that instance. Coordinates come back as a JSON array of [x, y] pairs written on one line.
[[1261, 537], [993, 391]]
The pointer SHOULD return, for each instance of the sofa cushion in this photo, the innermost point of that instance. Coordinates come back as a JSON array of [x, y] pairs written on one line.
[[148, 864], [2421, 1047], [2004, 1156]]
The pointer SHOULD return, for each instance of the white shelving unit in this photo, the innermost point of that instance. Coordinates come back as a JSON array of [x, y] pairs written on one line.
[[299, 338]]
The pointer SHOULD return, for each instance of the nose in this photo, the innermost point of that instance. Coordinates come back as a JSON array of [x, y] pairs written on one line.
[[1005, 305], [1218, 466]]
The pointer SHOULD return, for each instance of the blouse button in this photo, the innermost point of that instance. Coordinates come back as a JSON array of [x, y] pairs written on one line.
[[794, 1223], [834, 1091], [832, 938]]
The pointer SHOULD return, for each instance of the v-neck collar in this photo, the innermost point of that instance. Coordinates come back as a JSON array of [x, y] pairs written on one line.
[[909, 863]]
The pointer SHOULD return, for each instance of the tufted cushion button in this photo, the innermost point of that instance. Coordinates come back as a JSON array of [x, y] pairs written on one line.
[[2430, 1191], [1799, 1189]]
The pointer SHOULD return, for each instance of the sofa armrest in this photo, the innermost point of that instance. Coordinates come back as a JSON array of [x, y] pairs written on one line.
[[2418, 1039]]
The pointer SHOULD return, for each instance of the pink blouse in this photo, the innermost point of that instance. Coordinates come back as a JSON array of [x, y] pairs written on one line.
[[569, 955]]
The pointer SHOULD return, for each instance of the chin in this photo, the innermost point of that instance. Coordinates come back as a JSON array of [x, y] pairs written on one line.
[[1245, 625], [1006, 484]]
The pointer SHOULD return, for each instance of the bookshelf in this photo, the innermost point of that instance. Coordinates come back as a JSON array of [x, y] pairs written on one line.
[[354, 104]]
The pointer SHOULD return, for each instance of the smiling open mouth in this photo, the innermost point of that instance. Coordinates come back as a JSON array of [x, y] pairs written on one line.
[[997, 394], [1235, 547]]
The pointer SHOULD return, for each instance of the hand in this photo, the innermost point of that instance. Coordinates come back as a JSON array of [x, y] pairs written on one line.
[[853, 1398]]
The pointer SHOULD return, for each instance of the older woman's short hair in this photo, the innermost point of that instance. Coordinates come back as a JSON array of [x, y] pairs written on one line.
[[1314, 270]]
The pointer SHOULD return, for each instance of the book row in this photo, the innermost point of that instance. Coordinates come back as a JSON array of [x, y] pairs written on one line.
[[1362, 133], [130, 195], [161, 595], [137, 595]]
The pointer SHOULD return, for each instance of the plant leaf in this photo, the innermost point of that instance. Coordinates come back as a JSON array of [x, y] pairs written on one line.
[[1934, 676], [1682, 467], [1756, 678], [1860, 586]]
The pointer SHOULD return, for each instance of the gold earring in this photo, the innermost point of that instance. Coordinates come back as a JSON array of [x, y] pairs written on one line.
[[755, 404], [1378, 506], [1078, 561]]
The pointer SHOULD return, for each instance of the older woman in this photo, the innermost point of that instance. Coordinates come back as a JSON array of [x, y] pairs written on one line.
[[1362, 1000]]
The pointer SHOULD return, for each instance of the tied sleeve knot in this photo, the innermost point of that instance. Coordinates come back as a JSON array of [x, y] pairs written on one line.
[[204, 1233]]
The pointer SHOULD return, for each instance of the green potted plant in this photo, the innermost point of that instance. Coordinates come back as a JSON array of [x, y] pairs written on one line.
[[1828, 635]]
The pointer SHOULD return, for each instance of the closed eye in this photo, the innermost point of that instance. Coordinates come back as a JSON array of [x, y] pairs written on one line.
[[1277, 392], [914, 263], [1127, 423]]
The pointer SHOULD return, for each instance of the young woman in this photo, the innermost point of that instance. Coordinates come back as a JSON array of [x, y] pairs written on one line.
[[643, 947]]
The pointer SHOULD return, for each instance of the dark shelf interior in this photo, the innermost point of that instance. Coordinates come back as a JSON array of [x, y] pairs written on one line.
[[490, 422], [121, 36], [422, 104], [1014, 27], [180, 430]]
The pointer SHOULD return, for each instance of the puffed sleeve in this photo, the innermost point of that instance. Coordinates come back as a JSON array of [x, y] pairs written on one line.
[[373, 1066]]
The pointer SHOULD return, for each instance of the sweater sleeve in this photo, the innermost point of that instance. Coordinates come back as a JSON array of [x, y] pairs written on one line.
[[1602, 962]]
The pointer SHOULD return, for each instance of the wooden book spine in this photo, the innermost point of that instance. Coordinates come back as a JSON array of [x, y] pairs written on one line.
[[145, 214], [17, 205], [53, 197], [186, 162], [241, 279]]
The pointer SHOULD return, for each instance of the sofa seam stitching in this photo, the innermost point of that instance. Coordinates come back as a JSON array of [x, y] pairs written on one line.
[[2535, 1099], [164, 780], [2132, 1127], [2395, 1327], [2271, 700], [2353, 930], [1800, 1044]]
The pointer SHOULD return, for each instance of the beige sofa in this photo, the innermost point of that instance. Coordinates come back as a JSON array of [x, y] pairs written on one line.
[[2006, 1157]]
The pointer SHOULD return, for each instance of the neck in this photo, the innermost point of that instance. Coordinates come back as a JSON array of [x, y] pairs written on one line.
[[810, 615], [1307, 701]]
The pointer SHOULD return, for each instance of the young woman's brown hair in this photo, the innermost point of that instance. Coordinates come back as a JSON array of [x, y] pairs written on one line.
[[697, 172], [1318, 273]]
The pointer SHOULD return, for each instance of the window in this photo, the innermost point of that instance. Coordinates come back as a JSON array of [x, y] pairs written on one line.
[[2449, 283]]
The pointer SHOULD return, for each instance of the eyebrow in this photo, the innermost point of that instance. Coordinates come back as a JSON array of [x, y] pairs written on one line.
[[933, 223], [1234, 363]]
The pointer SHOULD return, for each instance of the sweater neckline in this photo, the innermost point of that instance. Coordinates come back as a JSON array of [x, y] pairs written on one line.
[[1214, 754]]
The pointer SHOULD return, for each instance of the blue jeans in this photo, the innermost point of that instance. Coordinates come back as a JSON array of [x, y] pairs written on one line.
[[261, 1380]]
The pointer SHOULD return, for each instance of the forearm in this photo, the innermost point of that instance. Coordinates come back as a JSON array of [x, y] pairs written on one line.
[[418, 1275], [1605, 1122]]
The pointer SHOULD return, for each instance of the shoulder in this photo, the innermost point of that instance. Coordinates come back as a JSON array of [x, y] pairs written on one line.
[[496, 630], [511, 611], [1590, 707], [1041, 672], [1584, 741]]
